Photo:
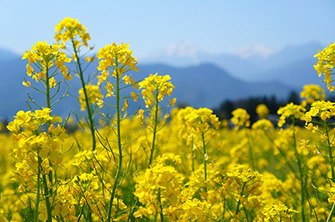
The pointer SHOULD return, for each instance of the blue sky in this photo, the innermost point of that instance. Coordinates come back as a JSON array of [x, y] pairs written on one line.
[[149, 25]]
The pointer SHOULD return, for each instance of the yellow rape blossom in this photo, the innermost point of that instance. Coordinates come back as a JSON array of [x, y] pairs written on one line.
[[312, 93], [322, 109], [262, 111], [325, 64], [277, 213], [240, 118], [263, 124], [45, 57], [155, 87], [118, 57], [68, 29], [290, 111], [161, 179], [125, 105], [94, 96]]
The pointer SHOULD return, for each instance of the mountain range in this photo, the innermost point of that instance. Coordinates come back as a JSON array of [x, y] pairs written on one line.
[[201, 80], [295, 61]]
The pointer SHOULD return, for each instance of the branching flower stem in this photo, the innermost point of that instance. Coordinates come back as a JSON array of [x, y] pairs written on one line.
[[205, 155], [38, 187], [118, 119], [331, 161], [239, 201], [88, 107], [44, 179], [252, 162], [301, 176], [155, 128]]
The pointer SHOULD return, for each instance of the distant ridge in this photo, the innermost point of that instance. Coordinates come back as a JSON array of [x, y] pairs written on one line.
[[251, 68], [208, 85], [6, 54]]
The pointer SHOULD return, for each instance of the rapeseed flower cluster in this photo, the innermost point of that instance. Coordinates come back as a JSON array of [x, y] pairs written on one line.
[[197, 122], [263, 124], [115, 60], [94, 96], [325, 64], [241, 118], [312, 93], [321, 109], [68, 29], [155, 87], [45, 57], [262, 111], [290, 111], [277, 213]]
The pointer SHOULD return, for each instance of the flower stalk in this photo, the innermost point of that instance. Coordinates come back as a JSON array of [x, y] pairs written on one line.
[[88, 107]]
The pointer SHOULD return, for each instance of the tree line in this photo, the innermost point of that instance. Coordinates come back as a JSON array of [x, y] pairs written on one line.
[[224, 110]]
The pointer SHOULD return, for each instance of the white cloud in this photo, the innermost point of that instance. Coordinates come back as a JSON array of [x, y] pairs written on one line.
[[180, 49], [254, 50], [181, 53]]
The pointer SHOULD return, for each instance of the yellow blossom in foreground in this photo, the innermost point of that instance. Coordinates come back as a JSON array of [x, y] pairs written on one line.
[[68, 29], [93, 94], [290, 111], [116, 59], [263, 124], [45, 57], [322, 109], [159, 185], [155, 87], [125, 105], [26, 83], [312, 93], [325, 64], [173, 101], [240, 118], [277, 213], [196, 122]]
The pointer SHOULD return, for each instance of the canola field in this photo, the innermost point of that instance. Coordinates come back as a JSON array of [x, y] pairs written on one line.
[[155, 165]]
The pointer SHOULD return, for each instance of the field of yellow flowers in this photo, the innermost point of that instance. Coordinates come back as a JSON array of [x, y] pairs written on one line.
[[152, 165]]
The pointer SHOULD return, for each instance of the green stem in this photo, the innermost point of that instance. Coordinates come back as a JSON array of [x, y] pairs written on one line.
[[160, 205], [246, 214], [118, 119], [239, 200], [223, 210], [192, 157], [330, 152], [331, 161], [331, 213], [152, 145], [47, 200], [88, 107], [47, 86], [302, 198], [155, 128], [282, 153], [205, 156], [45, 183], [38, 186], [250, 151]]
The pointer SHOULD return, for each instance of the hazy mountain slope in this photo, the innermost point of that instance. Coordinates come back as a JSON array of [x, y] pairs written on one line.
[[251, 68], [208, 85], [290, 55], [295, 74], [6, 55]]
